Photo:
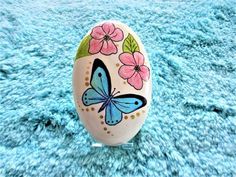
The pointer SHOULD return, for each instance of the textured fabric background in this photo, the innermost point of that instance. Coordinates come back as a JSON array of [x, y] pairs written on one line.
[[191, 127]]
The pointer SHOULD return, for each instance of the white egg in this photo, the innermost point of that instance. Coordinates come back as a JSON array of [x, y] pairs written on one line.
[[112, 83]]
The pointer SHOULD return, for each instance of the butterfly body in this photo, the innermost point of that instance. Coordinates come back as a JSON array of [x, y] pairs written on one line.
[[100, 92], [104, 105]]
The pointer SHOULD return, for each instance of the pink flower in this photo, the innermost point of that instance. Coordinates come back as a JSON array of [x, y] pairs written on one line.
[[103, 38], [134, 69]]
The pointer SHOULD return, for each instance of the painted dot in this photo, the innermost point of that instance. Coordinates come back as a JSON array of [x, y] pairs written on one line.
[[101, 116], [117, 64], [87, 67], [86, 78], [99, 74], [87, 72], [86, 84], [90, 62], [102, 122], [143, 111], [92, 109], [126, 117], [87, 109], [137, 114], [82, 109], [132, 116], [108, 132], [124, 82], [105, 128]]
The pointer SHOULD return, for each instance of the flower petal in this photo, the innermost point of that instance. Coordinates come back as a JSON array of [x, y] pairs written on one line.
[[139, 59], [108, 27], [117, 35], [95, 46], [126, 71], [127, 59], [97, 32], [108, 48], [136, 81], [144, 72]]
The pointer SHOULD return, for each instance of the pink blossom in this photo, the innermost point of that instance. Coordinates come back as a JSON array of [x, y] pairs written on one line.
[[134, 69], [103, 38]]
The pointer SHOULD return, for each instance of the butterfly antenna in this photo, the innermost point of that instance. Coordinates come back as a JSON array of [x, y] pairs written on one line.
[[113, 91], [116, 93]]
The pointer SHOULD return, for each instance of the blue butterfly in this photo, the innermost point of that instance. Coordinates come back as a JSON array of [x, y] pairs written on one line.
[[100, 92]]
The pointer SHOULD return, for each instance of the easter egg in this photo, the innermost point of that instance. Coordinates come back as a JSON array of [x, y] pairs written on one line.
[[112, 83]]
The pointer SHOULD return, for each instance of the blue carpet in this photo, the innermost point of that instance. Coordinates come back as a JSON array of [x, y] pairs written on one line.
[[191, 127]]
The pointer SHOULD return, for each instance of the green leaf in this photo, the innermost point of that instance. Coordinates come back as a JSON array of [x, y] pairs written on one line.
[[83, 48], [130, 45]]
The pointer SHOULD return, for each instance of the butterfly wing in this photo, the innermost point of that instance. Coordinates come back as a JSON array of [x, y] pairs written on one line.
[[91, 96], [112, 115], [100, 78], [129, 102], [100, 83]]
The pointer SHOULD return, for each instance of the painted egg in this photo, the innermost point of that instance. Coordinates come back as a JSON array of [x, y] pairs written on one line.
[[112, 83]]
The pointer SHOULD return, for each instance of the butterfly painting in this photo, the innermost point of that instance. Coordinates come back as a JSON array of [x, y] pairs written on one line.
[[112, 103]]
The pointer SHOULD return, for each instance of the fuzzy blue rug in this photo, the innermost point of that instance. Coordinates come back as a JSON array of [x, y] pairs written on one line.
[[191, 127]]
